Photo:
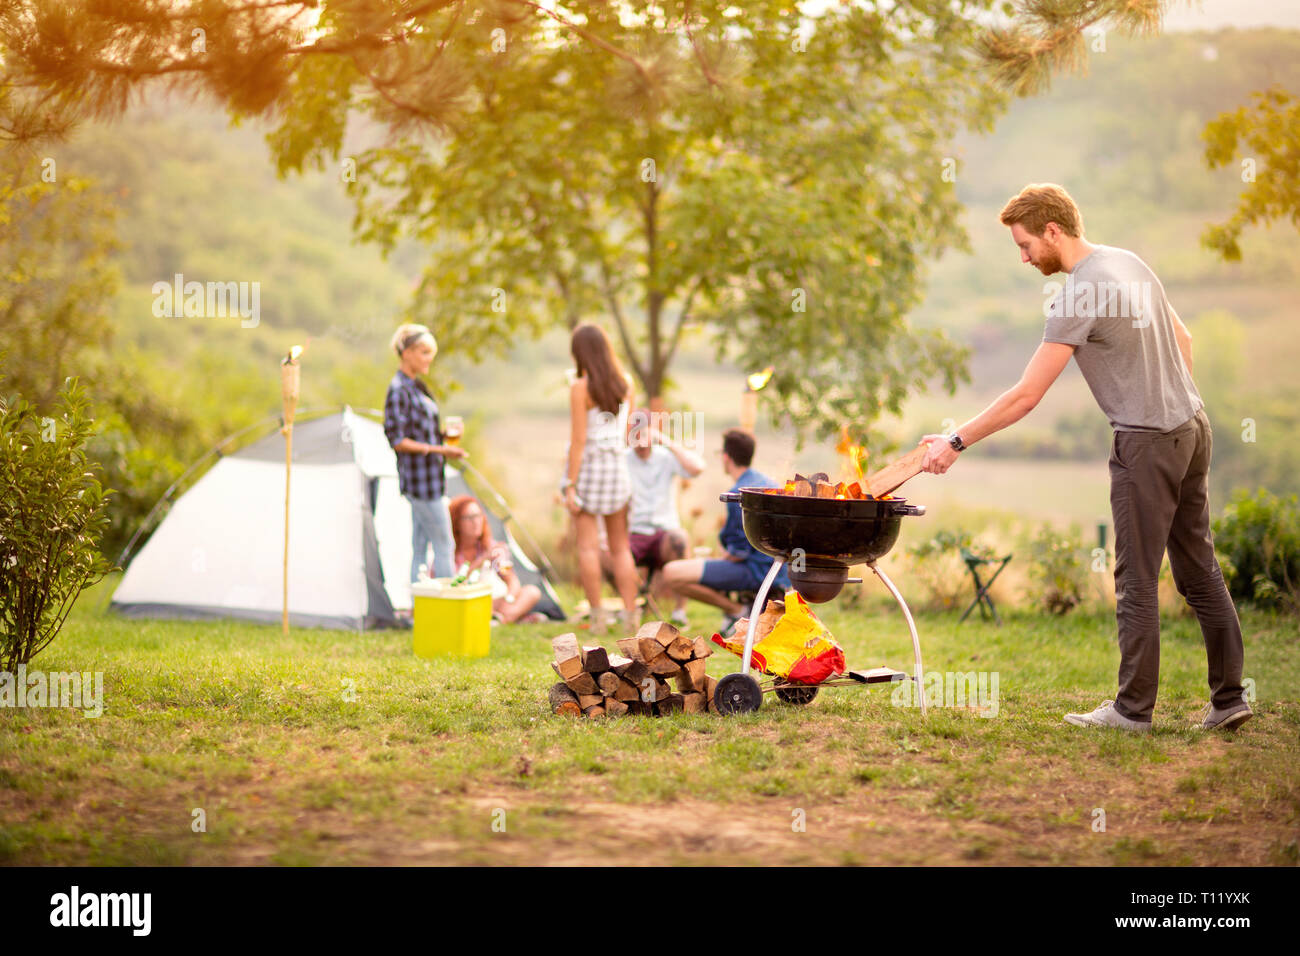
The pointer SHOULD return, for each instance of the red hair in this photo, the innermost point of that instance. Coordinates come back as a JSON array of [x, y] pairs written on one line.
[[457, 508]]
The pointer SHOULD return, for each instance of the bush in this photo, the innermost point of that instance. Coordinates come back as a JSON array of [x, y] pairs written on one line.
[[1058, 569], [939, 569], [1259, 536], [52, 515]]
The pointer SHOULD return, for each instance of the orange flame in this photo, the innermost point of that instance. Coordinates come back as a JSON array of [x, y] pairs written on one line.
[[855, 453]]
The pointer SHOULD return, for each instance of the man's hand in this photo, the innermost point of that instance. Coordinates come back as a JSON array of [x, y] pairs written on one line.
[[939, 456]]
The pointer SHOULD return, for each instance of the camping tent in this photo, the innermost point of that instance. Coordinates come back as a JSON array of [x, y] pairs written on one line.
[[220, 551]]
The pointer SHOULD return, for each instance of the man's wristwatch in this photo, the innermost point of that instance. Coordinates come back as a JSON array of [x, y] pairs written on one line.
[[957, 443]]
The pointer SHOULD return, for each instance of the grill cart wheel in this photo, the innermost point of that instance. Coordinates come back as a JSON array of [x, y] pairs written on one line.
[[796, 695], [737, 694]]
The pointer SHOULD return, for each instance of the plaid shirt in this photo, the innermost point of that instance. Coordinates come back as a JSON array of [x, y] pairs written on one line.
[[411, 412]]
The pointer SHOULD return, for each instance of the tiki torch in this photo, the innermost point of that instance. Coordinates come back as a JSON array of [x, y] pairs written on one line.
[[289, 372], [749, 398]]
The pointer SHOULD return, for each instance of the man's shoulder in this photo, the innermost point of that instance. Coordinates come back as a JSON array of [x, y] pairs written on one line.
[[753, 478], [1110, 261]]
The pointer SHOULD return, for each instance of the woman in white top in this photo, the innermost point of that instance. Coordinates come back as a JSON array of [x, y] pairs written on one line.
[[597, 480]]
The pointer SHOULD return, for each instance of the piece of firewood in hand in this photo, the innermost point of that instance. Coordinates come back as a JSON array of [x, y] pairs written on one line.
[[584, 683], [888, 479], [564, 701], [681, 649]]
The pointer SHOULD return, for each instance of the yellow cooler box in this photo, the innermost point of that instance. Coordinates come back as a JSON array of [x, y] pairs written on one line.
[[452, 621]]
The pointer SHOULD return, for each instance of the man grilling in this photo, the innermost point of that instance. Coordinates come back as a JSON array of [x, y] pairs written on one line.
[[1135, 354]]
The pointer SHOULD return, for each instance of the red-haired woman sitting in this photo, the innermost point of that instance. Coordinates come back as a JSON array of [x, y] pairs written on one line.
[[511, 600]]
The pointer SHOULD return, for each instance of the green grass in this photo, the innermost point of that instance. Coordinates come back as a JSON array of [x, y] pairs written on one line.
[[461, 762]]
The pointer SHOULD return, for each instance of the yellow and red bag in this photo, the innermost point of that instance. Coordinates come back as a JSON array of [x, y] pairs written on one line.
[[798, 648]]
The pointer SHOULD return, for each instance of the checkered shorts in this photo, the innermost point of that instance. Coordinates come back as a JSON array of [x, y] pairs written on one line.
[[604, 485]]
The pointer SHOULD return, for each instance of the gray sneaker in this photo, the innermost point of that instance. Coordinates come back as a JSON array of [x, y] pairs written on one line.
[[1230, 718], [1107, 716]]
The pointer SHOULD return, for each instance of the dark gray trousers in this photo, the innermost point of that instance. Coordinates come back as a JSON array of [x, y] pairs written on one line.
[[1159, 499]]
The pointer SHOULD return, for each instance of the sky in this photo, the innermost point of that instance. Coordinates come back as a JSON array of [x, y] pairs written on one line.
[[1215, 14]]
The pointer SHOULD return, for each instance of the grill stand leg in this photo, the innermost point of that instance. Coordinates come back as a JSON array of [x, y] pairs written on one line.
[[911, 626], [759, 600]]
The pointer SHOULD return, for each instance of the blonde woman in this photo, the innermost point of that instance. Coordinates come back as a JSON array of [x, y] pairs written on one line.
[[414, 430], [597, 481]]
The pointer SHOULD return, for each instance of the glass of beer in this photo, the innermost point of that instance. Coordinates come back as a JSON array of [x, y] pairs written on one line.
[[453, 427]]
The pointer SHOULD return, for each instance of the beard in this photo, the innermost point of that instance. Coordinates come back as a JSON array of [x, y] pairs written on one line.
[[1049, 262]]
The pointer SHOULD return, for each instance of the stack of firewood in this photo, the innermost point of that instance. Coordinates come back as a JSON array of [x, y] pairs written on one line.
[[596, 683]]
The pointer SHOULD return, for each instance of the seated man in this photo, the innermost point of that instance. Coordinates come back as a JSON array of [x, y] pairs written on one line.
[[654, 528], [744, 568]]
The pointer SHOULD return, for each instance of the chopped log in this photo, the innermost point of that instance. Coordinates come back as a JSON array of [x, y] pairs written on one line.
[[709, 685], [636, 672], [584, 683], [665, 666], [595, 659], [694, 703], [609, 683], [628, 646], [590, 700], [615, 707], [691, 678], [672, 704], [887, 479], [595, 710], [653, 689], [855, 491], [570, 668], [660, 631], [619, 665], [825, 490], [639, 708], [627, 691], [803, 487], [565, 647], [648, 650], [681, 648], [701, 648], [564, 701]]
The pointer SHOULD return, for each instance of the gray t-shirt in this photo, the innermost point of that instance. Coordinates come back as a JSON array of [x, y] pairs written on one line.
[[654, 493], [1113, 309]]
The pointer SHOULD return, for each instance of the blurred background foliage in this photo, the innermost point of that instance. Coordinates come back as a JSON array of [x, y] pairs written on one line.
[[172, 188]]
